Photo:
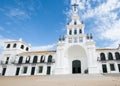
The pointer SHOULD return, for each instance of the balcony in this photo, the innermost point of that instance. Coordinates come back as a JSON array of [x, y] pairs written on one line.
[[49, 62], [3, 62], [108, 60]]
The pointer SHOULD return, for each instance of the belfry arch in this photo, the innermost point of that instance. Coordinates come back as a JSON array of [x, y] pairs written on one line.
[[77, 59]]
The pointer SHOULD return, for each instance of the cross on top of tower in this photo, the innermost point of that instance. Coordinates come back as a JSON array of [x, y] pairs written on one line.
[[75, 6]]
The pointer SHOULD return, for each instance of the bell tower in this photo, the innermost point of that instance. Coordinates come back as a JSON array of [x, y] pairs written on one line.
[[75, 28]]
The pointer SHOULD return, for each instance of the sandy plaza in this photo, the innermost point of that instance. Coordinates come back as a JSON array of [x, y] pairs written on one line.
[[67, 80]]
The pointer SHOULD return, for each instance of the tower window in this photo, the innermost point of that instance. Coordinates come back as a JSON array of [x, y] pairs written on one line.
[[27, 49], [8, 46], [75, 32], [75, 23], [70, 32], [14, 46], [22, 46], [80, 31]]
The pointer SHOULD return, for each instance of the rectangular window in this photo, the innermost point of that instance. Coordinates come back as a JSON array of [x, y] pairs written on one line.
[[75, 40], [24, 70], [119, 67], [70, 40], [104, 68], [48, 70], [3, 71], [7, 59], [112, 67], [80, 39], [40, 69]]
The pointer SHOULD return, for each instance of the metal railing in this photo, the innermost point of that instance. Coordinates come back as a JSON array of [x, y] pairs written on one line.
[[17, 63], [3, 62], [108, 60]]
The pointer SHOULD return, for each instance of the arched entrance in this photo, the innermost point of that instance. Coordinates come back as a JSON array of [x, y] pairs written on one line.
[[76, 66], [76, 59]]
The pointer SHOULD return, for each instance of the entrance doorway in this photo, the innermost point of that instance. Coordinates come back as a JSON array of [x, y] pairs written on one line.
[[17, 71], [104, 68], [48, 70], [76, 66], [33, 71], [3, 71]]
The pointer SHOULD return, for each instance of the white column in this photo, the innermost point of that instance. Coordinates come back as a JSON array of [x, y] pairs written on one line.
[[116, 67], [68, 31]]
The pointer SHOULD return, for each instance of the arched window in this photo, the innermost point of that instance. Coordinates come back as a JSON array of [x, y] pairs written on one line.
[[70, 32], [117, 55], [110, 56], [22, 46], [75, 32], [20, 60], [42, 60], [27, 49], [49, 58], [8, 46], [27, 59], [102, 56], [35, 59], [75, 23], [14, 46], [80, 31]]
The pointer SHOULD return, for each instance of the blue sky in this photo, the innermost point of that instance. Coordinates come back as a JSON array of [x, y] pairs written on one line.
[[40, 22]]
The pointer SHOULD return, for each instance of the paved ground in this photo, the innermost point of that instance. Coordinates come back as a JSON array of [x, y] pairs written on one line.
[[61, 80]]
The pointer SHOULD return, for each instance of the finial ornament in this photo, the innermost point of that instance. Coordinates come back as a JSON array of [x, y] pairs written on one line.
[[119, 46], [75, 6]]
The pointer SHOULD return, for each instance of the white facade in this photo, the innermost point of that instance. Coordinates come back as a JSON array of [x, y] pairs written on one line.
[[76, 52]]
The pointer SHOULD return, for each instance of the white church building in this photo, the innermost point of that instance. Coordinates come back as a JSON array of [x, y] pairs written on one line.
[[76, 53]]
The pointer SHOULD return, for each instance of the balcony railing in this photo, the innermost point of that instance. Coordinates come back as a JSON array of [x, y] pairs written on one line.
[[108, 60], [17, 63], [3, 62]]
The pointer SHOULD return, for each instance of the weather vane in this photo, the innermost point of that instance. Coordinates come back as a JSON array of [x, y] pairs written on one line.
[[75, 6]]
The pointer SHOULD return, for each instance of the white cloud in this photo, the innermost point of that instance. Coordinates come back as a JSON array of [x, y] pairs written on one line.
[[22, 11], [2, 40], [115, 44], [46, 47], [103, 9], [113, 33], [17, 14]]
